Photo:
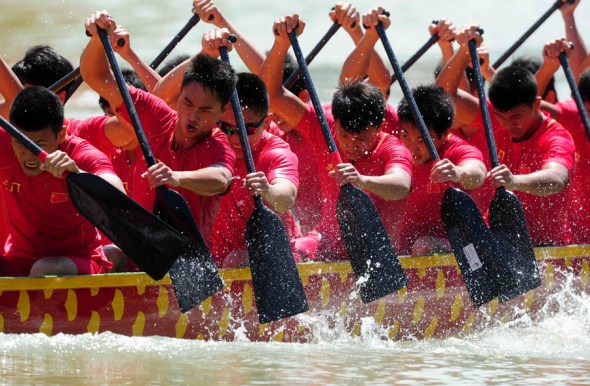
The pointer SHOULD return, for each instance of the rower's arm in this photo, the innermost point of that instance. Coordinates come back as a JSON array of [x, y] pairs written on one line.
[[169, 87], [10, 86], [579, 53]]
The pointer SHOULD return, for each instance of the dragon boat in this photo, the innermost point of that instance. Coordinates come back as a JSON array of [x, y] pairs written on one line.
[[435, 303]]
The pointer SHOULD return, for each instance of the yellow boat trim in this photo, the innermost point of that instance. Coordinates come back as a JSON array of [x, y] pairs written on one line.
[[141, 280]]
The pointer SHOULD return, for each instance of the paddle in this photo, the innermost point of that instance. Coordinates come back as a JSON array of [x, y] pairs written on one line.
[[74, 81], [194, 278], [516, 260], [65, 81], [277, 286], [144, 238], [575, 92], [421, 51], [295, 75], [372, 256], [175, 40], [529, 32], [470, 238]]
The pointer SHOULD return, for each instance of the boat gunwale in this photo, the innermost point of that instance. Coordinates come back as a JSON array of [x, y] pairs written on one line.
[[133, 279]]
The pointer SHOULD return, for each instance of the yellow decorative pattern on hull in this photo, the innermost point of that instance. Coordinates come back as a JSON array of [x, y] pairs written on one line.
[[418, 309], [440, 284], [24, 306], [181, 325], [47, 293], [224, 322], [380, 312], [585, 273], [71, 305], [456, 307], [118, 304], [139, 324], [162, 302], [247, 298], [325, 292], [47, 325], [93, 326], [431, 329]]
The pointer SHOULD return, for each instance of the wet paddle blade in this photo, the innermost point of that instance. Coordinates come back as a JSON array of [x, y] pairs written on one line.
[[473, 245], [194, 276], [508, 224], [145, 239], [372, 256], [277, 286]]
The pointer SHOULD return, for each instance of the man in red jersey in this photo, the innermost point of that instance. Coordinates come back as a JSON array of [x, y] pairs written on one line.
[[536, 153], [422, 231], [276, 178], [48, 236], [372, 160], [567, 114], [194, 156]]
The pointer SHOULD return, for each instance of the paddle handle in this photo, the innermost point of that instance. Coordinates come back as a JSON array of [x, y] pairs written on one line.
[[529, 32], [143, 142], [421, 51], [23, 139], [65, 81], [575, 93], [175, 40], [312, 54], [237, 108], [407, 93], [483, 104], [315, 100]]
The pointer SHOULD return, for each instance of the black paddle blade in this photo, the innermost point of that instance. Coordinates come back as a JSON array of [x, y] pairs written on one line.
[[372, 256], [194, 276], [508, 224], [145, 239], [277, 286], [473, 244]]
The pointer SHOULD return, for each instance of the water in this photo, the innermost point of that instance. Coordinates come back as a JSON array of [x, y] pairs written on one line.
[[554, 351]]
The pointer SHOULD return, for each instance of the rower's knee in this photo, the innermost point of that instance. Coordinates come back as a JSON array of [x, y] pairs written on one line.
[[116, 257], [53, 266]]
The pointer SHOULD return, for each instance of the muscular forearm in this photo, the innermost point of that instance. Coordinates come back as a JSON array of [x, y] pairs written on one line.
[[250, 55], [168, 88], [9, 87], [281, 195], [96, 72], [579, 51], [205, 182], [393, 186], [148, 76], [540, 183], [472, 175]]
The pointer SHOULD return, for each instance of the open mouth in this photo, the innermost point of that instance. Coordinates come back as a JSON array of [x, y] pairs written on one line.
[[31, 164]]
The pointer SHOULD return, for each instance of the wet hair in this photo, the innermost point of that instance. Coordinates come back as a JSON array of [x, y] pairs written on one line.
[[213, 74], [252, 93], [584, 85], [358, 105], [42, 66], [132, 79], [172, 63], [290, 67], [36, 108], [436, 107], [512, 87], [533, 65]]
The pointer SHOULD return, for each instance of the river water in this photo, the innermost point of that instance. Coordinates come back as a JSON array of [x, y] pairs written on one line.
[[553, 351]]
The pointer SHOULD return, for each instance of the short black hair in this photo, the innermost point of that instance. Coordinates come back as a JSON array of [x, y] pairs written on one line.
[[533, 64], [213, 74], [36, 108], [512, 87], [358, 105], [252, 93], [436, 107], [42, 66], [584, 85], [131, 78], [172, 63]]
